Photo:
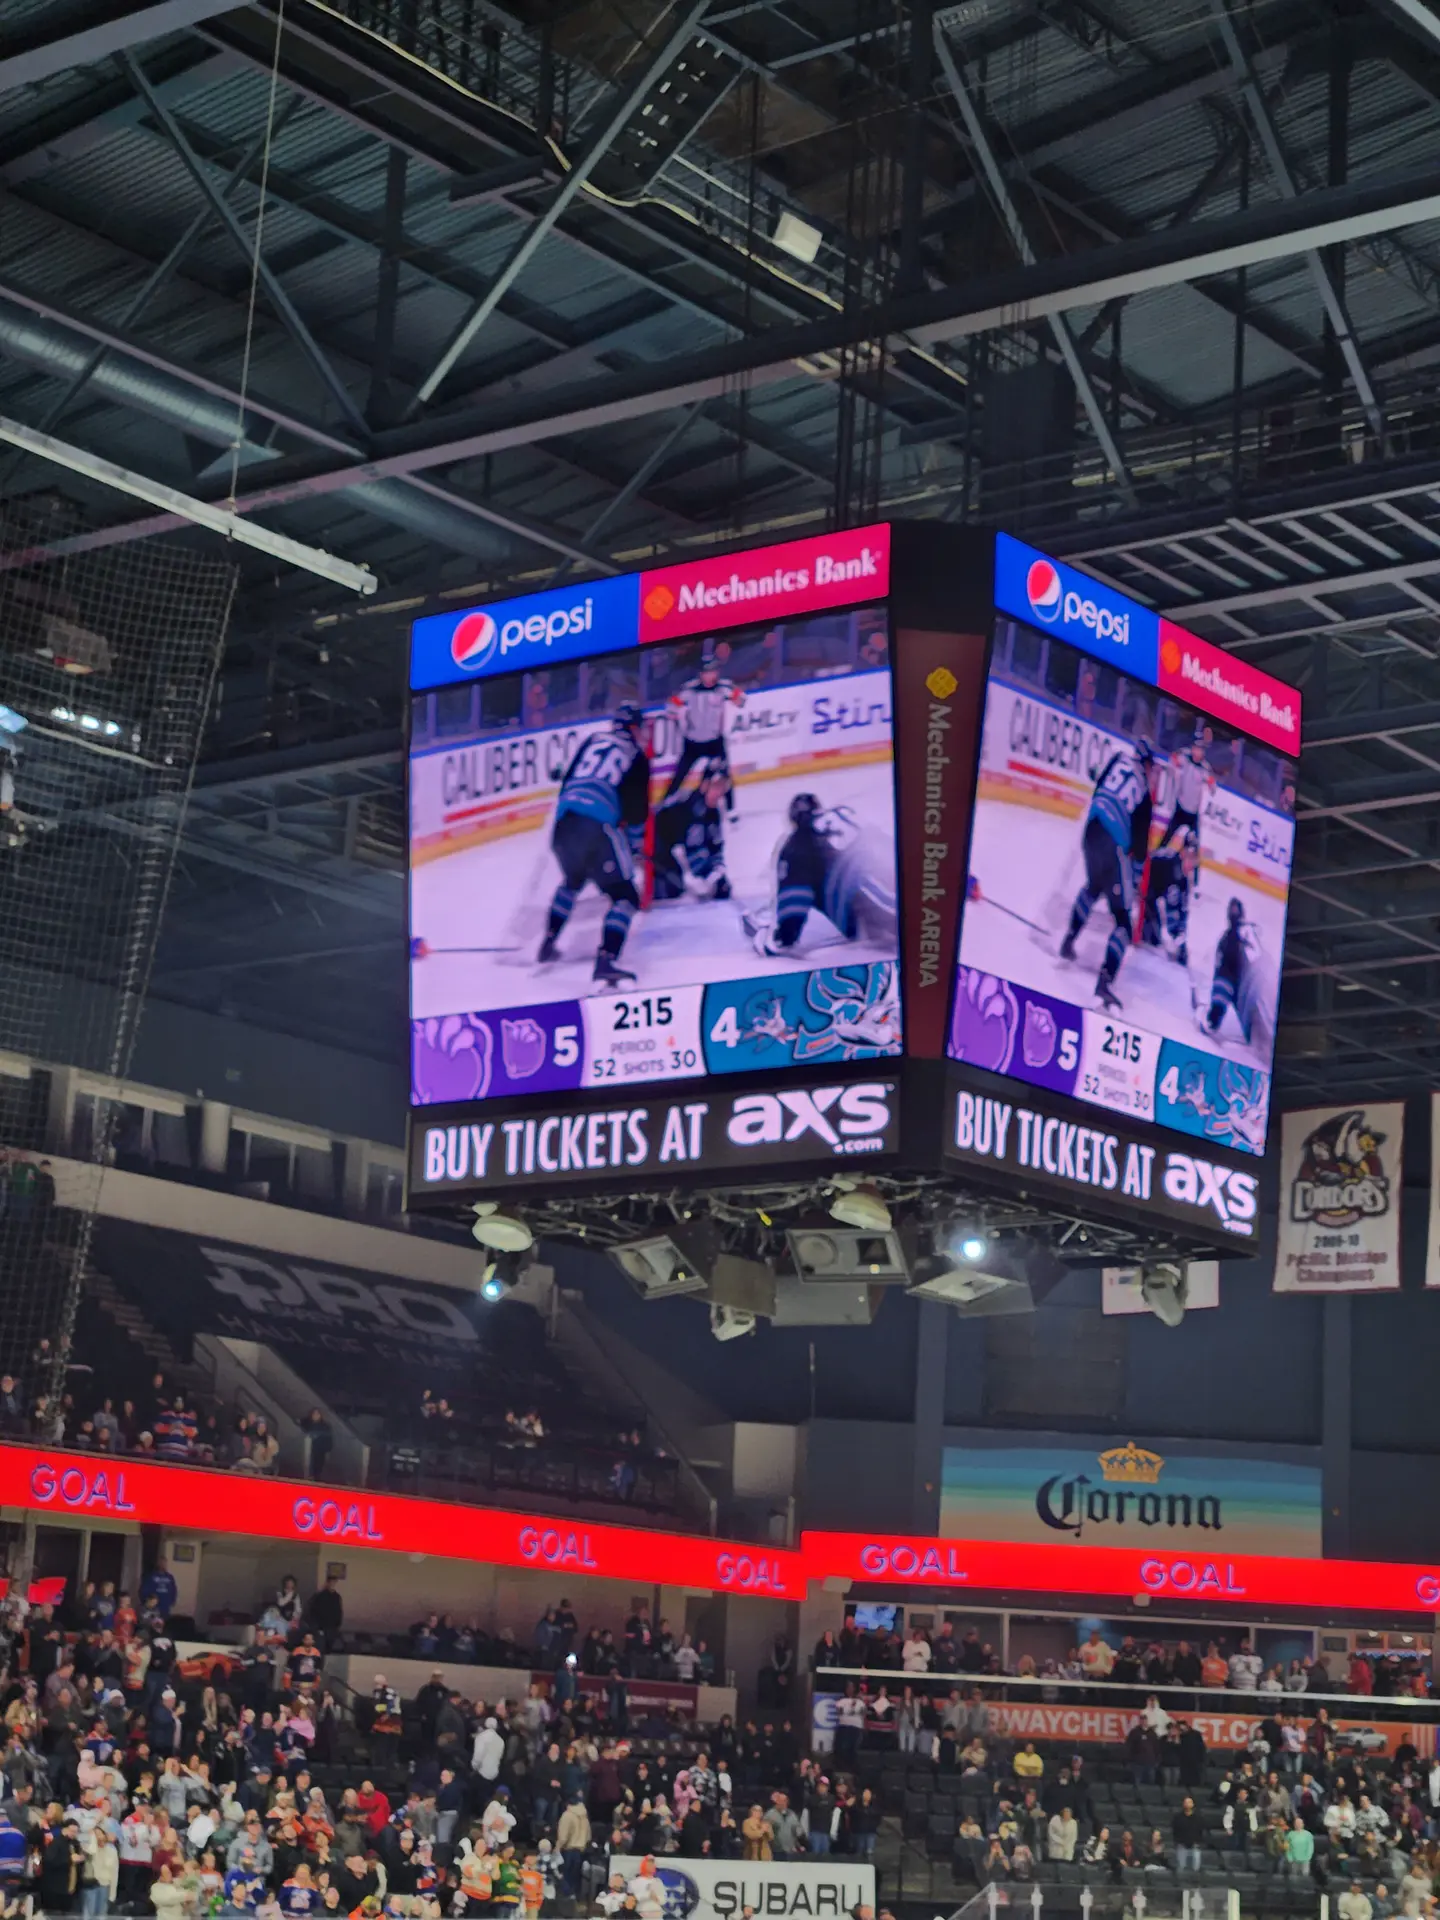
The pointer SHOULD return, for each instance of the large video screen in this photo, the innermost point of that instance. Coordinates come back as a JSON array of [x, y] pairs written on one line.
[[673, 860], [1128, 877]]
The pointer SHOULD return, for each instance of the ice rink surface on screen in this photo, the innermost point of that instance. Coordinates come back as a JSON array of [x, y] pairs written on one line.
[[729, 973], [1170, 1017]]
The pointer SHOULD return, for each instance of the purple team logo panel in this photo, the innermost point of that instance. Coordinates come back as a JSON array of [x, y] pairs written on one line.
[[1048, 1054], [1015, 1030], [464, 1056]]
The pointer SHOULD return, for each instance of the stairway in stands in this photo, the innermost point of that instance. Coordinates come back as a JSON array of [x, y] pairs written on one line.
[[145, 1350]]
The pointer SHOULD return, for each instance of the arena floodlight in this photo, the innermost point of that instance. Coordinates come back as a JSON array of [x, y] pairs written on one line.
[[1165, 1287], [731, 1323], [858, 1204], [503, 1232], [825, 1254], [200, 513], [501, 1275], [1012, 1276], [797, 238], [676, 1259]]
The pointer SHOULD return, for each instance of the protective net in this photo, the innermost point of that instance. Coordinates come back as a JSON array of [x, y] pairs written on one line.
[[108, 656]]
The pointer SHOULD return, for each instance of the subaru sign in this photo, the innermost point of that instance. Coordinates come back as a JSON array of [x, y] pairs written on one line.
[[536, 631], [1054, 598]]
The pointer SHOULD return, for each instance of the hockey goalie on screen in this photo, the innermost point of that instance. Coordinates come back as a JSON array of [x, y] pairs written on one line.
[[826, 864], [599, 830], [689, 851]]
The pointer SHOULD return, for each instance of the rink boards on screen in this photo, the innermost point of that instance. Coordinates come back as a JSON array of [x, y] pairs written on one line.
[[468, 793]]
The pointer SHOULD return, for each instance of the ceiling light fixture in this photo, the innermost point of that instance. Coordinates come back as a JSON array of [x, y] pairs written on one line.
[[797, 238], [858, 1204], [501, 1232], [45, 446]]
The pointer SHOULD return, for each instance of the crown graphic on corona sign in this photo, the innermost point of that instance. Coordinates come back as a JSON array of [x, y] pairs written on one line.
[[1131, 1465]]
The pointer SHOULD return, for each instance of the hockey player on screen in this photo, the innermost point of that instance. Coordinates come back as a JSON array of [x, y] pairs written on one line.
[[1236, 985], [599, 828], [1168, 894], [700, 706], [823, 865], [1116, 841], [690, 837]]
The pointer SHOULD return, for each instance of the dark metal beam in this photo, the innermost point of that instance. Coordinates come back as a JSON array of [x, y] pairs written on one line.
[[79, 36], [1271, 230], [679, 33], [250, 249]]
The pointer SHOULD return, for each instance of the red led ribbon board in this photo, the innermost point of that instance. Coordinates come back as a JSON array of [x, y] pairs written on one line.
[[197, 1500], [202, 1501], [1207, 1573]]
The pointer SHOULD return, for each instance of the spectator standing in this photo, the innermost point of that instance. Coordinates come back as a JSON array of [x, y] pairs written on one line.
[[1246, 1667], [100, 1871], [158, 1591], [1062, 1835], [1097, 1656], [1187, 1830], [917, 1654], [320, 1441], [1300, 1850], [325, 1614], [1214, 1668]]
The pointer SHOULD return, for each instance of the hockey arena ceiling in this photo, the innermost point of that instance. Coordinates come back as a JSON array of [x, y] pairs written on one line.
[[545, 288]]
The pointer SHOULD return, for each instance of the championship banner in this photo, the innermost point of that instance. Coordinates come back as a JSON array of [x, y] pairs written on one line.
[[1339, 1209], [778, 1889]]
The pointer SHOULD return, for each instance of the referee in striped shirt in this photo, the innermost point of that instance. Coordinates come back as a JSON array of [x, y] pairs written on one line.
[[700, 707]]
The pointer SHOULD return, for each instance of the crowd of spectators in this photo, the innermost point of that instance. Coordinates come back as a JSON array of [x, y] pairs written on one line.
[[644, 1650], [1303, 1803], [157, 1420], [920, 1652], [617, 1463], [139, 1782]]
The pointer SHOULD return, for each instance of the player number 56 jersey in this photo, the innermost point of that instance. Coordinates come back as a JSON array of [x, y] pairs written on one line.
[[608, 780]]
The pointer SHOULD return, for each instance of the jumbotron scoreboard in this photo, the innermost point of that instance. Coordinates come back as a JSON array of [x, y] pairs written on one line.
[[896, 846]]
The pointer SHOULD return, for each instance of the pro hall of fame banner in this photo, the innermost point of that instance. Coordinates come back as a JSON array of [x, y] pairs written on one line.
[[1340, 1184]]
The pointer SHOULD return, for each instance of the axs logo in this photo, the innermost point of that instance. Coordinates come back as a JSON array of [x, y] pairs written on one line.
[[1223, 1190], [853, 1119]]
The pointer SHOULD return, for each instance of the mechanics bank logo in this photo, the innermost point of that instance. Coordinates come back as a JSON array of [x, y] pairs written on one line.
[[1042, 590], [472, 646]]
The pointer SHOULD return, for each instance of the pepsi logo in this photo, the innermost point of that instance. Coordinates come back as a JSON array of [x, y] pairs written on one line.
[[473, 641], [1042, 590]]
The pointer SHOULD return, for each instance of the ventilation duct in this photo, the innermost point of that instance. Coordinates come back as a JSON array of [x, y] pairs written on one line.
[[62, 355]]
